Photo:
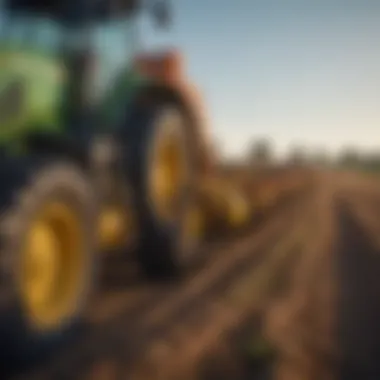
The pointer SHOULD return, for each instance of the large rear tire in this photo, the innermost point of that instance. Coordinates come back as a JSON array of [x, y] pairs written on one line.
[[163, 182], [48, 261]]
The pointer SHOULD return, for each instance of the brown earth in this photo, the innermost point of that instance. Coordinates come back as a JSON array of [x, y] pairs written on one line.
[[306, 281]]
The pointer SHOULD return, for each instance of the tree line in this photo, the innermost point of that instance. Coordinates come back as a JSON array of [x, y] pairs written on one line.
[[262, 151]]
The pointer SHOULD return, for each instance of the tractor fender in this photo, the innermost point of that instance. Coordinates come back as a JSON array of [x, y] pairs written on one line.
[[168, 70], [160, 78]]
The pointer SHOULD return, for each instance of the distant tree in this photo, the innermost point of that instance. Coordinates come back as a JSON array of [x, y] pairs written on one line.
[[349, 157], [321, 157], [371, 161], [297, 155], [261, 151]]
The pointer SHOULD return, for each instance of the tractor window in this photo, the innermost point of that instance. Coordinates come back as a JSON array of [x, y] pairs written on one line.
[[114, 46], [34, 32]]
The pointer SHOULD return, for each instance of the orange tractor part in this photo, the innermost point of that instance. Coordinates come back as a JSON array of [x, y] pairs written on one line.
[[169, 67]]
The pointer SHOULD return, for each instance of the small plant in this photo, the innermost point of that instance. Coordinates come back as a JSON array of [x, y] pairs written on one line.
[[259, 348]]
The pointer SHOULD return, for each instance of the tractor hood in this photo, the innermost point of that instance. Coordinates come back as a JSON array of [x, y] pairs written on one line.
[[31, 87]]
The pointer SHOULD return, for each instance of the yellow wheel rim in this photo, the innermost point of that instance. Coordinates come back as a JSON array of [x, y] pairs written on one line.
[[53, 265], [116, 227], [239, 210], [194, 224], [169, 169]]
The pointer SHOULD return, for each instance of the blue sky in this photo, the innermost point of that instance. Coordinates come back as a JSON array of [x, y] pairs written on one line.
[[297, 71]]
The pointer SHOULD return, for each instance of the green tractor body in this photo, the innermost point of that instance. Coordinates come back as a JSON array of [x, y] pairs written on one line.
[[37, 104]]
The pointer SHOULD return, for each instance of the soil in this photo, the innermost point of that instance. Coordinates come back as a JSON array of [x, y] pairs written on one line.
[[296, 297]]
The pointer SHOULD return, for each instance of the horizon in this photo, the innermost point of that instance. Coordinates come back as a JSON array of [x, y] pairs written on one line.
[[301, 74]]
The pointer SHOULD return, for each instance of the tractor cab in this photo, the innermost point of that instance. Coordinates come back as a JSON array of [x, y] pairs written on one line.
[[53, 26], [74, 13], [60, 58], [70, 33]]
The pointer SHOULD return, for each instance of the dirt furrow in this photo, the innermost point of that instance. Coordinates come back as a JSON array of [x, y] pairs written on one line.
[[183, 352], [359, 301], [300, 322], [144, 298], [366, 211], [123, 335]]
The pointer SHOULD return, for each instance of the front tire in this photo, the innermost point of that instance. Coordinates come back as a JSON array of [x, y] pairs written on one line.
[[48, 254]]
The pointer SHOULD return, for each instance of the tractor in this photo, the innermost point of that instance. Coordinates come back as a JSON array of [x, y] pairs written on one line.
[[101, 149]]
